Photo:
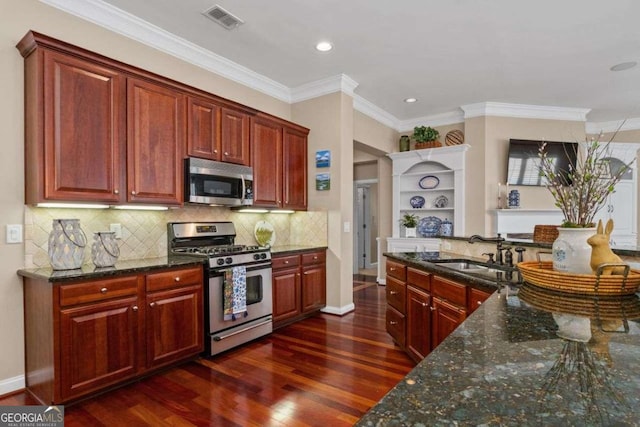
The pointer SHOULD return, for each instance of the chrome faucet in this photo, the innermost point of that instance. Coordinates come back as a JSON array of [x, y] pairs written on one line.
[[499, 239]]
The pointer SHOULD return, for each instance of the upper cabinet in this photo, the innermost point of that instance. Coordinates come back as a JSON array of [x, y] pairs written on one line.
[[279, 160], [234, 136], [155, 141], [429, 183]]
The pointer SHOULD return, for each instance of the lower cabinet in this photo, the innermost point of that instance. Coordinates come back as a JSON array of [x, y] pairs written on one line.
[[299, 286], [423, 308], [86, 336]]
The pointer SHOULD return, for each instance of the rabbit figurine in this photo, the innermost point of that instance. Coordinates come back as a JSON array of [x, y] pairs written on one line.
[[601, 252]]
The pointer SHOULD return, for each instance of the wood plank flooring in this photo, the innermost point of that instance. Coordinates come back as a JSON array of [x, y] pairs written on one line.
[[323, 371]]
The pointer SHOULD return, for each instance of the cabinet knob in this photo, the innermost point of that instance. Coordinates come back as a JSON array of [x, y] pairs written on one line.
[[134, 308], [153, 304], [433, 309], [226, 153], [215, 151], [133, 193], [177, 279], [116, 191], [392, 269], [392, 292], [479, 302], [424, 304], [298, 274], [286, 262], [315, 257], [104, 290], [393, 323]]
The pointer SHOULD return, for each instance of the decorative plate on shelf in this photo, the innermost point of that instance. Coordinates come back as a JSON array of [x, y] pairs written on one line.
[[429, 226], [428, 182], [417, 202], [441, 202], [264, 233]]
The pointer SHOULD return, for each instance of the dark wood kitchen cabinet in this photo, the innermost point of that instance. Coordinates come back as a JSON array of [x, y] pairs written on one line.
[[419, 309], [299, 286], [234, 136], [279, 160], [85, 336], [449, 307], [74, 129], [155, 142], [396, 292]]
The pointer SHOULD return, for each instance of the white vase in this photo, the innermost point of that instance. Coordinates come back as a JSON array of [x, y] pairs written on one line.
[[571, 252], [410, 232]]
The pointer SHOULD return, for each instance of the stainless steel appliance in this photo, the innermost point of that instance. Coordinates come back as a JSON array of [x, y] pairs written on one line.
[[215, 241], [217, 183]]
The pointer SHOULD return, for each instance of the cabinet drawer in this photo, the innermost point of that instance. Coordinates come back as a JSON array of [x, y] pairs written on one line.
[[285, 262], [98, 290], [313, 258], [419, 279], [453, 292], [396, 294], [396, 325], [174, 279], [397, 270]]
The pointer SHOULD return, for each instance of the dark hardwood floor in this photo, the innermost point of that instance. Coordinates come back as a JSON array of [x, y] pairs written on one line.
[[323, 371]]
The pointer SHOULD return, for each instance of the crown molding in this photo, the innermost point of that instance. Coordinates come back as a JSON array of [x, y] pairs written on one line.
[[443, 119], [369, 109], [339, 83], [128, 25], [525, 111], [613, 126]]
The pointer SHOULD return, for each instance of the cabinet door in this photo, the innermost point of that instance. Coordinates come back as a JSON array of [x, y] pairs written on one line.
[[155, 145], [203, 118], [286, 294], [84, 140], [98, 345], [234, 137], [174, 325], [396, 325], [314, 290], [446, 318], [294, 170], [418, 323], [266, 159], [476, 298]]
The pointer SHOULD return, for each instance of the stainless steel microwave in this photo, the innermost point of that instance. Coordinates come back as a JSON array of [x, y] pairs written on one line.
[[217, 183]]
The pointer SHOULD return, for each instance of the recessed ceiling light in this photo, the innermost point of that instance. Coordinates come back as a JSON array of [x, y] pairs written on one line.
[[410, 100], [623, 66], [324, 46]]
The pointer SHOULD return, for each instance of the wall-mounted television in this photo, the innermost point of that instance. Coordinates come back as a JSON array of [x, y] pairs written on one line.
[[524, 163]]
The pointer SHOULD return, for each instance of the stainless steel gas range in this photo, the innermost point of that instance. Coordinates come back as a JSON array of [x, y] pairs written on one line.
[[216, 242]]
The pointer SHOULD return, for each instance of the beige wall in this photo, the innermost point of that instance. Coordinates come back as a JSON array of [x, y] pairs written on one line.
[[374, 134]]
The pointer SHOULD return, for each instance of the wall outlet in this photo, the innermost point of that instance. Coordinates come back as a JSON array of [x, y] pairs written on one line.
[[116, 228], [14, 233]]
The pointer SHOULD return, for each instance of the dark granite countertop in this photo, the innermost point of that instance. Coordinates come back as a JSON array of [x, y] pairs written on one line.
[[287, 249], [507, 365], [90, 271]]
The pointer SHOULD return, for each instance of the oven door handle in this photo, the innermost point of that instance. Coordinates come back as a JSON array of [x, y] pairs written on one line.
[[220, 338], [250, 268]]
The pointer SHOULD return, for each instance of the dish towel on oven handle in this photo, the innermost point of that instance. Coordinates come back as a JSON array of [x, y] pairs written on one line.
[[235, 292]]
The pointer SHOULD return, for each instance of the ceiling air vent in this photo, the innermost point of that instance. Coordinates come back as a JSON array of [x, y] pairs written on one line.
[[222, 17]]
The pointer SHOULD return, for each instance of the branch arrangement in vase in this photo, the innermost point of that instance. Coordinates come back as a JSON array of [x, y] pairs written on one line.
[[582, 191]]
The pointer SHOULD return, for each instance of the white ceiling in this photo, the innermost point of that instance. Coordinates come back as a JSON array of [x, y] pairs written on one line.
[[446, 53]]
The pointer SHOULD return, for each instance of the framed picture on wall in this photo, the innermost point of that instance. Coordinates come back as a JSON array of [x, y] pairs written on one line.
[[323, 181], [323, 158]]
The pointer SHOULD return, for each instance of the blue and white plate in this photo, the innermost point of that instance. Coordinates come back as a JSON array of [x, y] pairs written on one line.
[[429, 226], [428, 182]]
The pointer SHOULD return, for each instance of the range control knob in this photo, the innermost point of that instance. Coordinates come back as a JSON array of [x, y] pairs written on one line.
[[263, 256], [220, 261], [256, 256], [228, 260]]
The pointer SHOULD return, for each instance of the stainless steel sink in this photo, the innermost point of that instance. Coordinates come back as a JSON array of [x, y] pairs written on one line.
[[466, 266]]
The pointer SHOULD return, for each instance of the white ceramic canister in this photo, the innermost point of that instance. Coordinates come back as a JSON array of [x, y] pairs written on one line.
[[104, 250], [571, 252], [66, 244]]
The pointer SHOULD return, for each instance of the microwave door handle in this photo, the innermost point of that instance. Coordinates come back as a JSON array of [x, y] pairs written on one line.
[[244, 189]]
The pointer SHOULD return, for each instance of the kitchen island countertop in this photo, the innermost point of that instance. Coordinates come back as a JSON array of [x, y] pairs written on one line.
[[506, 365]]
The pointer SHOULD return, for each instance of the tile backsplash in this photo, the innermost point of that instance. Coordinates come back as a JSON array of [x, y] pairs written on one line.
[[144, 233]]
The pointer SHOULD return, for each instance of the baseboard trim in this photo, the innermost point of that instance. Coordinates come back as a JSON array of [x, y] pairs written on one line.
[[11, 385], [382, 281], [340, 311]]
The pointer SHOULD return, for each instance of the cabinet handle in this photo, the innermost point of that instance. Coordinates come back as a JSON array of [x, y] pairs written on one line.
[[392, 269], [104, 290], [226, 153], [392, 292], [433, 309], [153, 304], [116, 191], [134, 308], [315, 257], [424, 304], [177, 279], [298, 274], [306, 273], [286, 262], [479, 302], [133, 193], [393, 323]]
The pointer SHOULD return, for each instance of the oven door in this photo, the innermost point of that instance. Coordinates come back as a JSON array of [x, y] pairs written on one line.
[[259, 298]]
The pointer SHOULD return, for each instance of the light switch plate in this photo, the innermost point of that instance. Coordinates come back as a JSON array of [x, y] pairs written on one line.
[[14, 233], [346, 227]]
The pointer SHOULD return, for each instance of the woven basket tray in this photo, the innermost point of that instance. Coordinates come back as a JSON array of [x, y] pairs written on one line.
[[545, 233], [542, 274], [624, 307]]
